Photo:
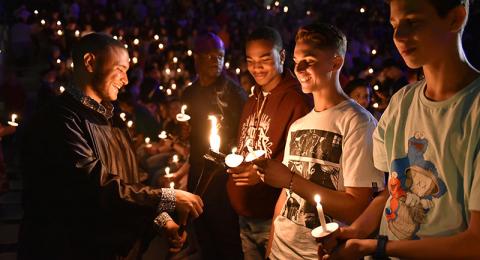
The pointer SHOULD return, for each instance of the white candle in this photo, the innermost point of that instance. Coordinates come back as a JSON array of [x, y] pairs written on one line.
[[13, 123], [130, 123], [167, 173], [62, 89], [162, 135], [172, 185], [233, 159], [123, 116], [147, 142], [321, 216], [182, 117], [175, 159], [214, 137], [251, 156]]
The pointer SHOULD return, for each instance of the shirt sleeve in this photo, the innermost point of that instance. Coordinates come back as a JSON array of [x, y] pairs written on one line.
[[84, 168], [474, 200], [357, 161]]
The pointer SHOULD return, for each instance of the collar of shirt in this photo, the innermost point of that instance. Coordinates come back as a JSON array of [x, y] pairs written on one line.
[[106, 108]]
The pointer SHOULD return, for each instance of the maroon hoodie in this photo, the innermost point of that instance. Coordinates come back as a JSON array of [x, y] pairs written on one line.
[[264, 126]]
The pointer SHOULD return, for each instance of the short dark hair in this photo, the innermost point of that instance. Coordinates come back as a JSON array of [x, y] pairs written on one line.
[[323, 36], [267, 33], [355, 83], [444, 6], [96, 43]]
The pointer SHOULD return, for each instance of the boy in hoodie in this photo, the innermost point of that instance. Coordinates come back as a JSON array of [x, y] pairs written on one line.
[[275, 102]]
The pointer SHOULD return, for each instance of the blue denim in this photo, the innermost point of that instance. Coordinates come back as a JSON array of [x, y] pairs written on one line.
[[254, 234]]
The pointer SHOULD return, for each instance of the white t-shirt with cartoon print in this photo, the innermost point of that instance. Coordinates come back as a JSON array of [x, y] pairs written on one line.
[[431, 150], [332, 148]]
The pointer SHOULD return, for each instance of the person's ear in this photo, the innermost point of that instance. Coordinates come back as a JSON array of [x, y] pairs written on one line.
[[282, 56], [89, 61], [457, 18], [337, 62]]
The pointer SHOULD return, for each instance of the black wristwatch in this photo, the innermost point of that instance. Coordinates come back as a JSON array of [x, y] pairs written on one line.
[[380, 252]]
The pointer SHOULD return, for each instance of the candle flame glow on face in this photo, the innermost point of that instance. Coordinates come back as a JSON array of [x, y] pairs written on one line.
[[317, 198], [214, 137]]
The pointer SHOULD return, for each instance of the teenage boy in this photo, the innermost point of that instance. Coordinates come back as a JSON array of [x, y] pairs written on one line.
[[428, 140], [328, 152], [277, 101]]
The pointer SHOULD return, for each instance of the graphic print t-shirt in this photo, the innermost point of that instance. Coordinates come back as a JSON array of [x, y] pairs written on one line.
[[431, 151], [332, 148]]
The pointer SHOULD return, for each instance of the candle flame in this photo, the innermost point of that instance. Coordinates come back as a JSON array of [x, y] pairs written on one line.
[[234, 149], [167, 170], [175, 158], [130, 123], [317, 198], [172, 185], [184, 107], [147, 140], [214, 137]]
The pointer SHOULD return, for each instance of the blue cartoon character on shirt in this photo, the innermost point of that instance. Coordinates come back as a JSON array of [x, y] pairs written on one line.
[[413, 184]]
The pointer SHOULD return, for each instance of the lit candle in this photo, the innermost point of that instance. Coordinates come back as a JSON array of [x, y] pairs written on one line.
[[175, 59], [182, 117], [179, 70], [321, 216], [237, 71], [167, 70], [233, 160], [172, 185], [162, 135], [129, 123], [156, 37], [13, 123], [126, 46], [161, 46], [169, 92], [58, 61], [62, 89], [189, 52], [35, 11], [214, 137], [60, 32], [370, 71], [42, 22], [376, 87], [173, 86], [123, 116], [136, 41], [252, 89], [77, 33], [175, 159], [227, 65], [167, 172], [135, 60], [374, 52], [147, 142], [285, 9], [59, 23]]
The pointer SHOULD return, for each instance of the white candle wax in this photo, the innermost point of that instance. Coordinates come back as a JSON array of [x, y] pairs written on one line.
[[233, 159], [172, 185], [321, 216]]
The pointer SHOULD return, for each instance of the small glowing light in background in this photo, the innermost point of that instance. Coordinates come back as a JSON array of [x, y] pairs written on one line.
[[160, 87], [156, 37], [268, 7], [60, 32], [58, 61], [136, 41], [167, 70], [175, 59], [59, 23], [123, 116], [227, 65], [362, 10], [370, 70], [237, 70], [169, 92], [309, 12], [42, 22], [62, 89], [161, 46], [71, 65], [174, 86], [179, 70], [376, 87], [277, 3], [374, 52], [189, 83], [189, 53], [375, 105], [285, 9], [126, 46], [35, 11], [130, 123], [115, 37], [77, 33], [135, 60]]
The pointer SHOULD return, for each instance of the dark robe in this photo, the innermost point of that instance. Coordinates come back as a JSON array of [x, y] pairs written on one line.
[[82, 196]]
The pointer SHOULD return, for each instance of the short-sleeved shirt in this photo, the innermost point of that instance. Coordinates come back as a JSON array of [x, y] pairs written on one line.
[[332, 148], [431, 151]]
